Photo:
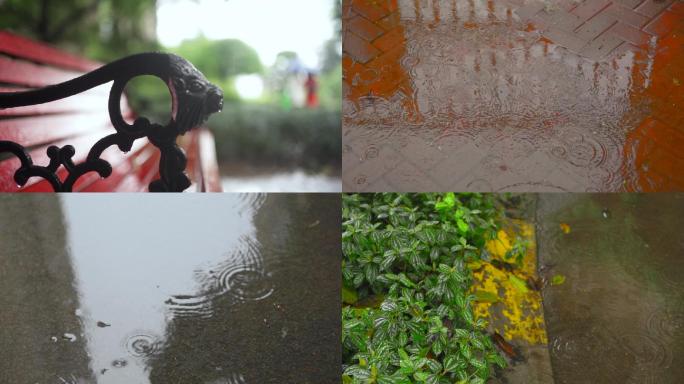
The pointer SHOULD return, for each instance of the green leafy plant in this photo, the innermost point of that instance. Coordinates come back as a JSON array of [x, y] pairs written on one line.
[[408, 315]]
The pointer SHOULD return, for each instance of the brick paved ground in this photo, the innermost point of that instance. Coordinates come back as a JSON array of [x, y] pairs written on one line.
[[510, 95]]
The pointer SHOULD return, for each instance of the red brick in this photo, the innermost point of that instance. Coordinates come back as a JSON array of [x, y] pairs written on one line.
[[364, 28], [529, 10], [666, 137], [595, 27], [538, 23], [565, 39], [624, 48], [630, 34], [359, 49], [629, 3], [590, 8], [663, 24], [651, 8], [561, 19], [678, 8], [391, 21], [390, 40], [371, 9], [627, 15], [601, 47]]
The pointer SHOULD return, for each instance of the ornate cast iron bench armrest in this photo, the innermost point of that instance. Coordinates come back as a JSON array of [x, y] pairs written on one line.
[[193, 100]]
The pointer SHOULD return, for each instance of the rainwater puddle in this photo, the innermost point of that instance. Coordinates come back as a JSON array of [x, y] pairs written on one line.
[[486, 96], [295, 181], [164, 289], [619, 315]]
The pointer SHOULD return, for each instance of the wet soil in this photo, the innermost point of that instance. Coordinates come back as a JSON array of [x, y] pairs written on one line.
[[475, 95], [169, 289]]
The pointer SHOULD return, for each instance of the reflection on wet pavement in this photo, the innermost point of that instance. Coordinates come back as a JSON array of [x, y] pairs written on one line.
[[513, 95], [619, 315], [296, 181], [232, 289]]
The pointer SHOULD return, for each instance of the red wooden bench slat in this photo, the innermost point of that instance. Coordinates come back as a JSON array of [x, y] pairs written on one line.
[[32, 131], [92, 100], [15, 45], [21, 72], [209, 170]]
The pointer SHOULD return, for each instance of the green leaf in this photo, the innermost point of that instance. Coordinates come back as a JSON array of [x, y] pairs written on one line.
[[448, 202], [406, 281], [357, 372], [450, 364], [437, 348], [486, 297], [557, 280], [518, 283], [462, 225]]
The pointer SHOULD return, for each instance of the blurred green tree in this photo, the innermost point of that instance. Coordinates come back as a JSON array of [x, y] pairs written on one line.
[[98, 29], [221, 60]]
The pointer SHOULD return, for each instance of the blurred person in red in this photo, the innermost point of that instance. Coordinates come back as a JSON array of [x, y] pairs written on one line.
[[311, 86]]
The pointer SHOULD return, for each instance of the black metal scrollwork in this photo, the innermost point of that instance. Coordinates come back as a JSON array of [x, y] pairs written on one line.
[[194, 98]]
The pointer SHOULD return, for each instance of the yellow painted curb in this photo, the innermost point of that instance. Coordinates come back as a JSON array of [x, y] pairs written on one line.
[[509, 302]]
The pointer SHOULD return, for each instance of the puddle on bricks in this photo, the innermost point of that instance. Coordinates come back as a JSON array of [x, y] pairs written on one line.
[[465, 95]]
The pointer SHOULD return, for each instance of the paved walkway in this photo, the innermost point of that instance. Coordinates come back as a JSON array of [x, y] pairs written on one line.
[[513, 95], [618, 317]]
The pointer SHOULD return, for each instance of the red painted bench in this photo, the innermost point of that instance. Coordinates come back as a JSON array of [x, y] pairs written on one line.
[[81, 120]]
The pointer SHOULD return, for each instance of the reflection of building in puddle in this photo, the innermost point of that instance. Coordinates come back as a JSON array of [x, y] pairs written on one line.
[[262, 302], [124, 280]]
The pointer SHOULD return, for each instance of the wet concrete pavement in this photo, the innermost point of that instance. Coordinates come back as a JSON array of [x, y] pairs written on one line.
[[513, 95], [169, 289], [619, 315]]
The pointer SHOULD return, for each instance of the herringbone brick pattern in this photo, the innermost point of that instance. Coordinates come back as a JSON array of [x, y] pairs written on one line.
[[597, 28], [510, 95]]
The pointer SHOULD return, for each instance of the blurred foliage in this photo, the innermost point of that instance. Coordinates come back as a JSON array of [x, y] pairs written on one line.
[[98, 29], [331, 88], [268, 136], [221, 61], [332, 51]]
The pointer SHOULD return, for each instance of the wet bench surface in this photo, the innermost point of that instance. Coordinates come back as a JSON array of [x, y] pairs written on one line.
[[513, 95], [80, 121]]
